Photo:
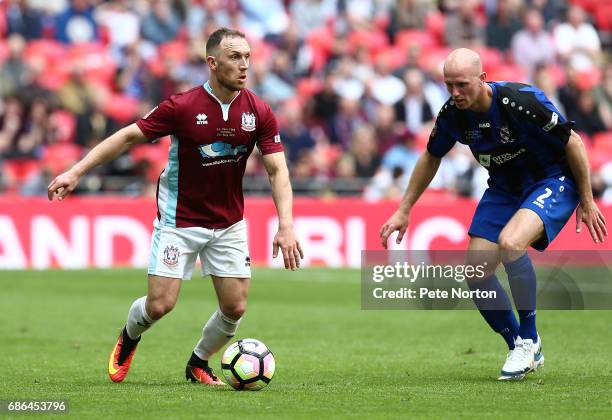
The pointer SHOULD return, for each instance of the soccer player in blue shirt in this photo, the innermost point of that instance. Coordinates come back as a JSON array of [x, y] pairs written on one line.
[[538, 175]]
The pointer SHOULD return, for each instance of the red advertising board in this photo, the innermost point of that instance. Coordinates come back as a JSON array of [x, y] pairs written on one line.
[[108, 232]]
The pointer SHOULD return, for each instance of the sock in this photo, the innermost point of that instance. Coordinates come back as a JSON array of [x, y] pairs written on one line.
[[138, 320], [522, 279], [217, 332], [194, 360], [497, 312]]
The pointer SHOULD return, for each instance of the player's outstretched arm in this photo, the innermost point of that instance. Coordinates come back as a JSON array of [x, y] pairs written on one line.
[[285, 238], [421, 177], [104, 152], [587, 211]]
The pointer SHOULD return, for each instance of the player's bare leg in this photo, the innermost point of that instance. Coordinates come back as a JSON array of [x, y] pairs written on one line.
[[162, 293], [522, 230], [232, 295]]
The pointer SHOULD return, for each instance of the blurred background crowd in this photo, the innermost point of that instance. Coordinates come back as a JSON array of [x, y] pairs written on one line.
[[355, 84]]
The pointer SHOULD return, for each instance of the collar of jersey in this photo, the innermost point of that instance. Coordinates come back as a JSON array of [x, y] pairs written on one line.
[[491, 109], [224, 107]]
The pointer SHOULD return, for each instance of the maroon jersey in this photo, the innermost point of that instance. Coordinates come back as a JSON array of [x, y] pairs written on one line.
[[202, 183]]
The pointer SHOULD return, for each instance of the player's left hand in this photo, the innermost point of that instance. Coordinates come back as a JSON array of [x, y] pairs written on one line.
[[591, 216], [290, 247]]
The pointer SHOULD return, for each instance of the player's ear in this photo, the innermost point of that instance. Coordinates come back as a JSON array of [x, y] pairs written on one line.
[[212, 62], [482, 77]]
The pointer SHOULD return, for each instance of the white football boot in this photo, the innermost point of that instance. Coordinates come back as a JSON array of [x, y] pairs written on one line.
[[526, 357]]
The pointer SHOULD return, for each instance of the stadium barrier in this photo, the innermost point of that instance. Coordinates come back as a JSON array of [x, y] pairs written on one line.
[[116, 231]]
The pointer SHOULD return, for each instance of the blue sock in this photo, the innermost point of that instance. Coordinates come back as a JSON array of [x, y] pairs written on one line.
[[497, 312], [522, 279]]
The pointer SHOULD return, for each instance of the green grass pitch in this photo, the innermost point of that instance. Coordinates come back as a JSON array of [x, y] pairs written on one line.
[[334, 360]]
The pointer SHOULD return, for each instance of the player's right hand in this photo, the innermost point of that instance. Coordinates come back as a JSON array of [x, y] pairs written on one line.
[[398, 221], [63, 185]]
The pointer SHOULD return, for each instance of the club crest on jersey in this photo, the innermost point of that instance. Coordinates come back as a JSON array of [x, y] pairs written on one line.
[[504, 135], [485, 160], [248, 121], [171, 255]]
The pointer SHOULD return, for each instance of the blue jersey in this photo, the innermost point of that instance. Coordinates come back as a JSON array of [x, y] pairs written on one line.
[[520, 140]]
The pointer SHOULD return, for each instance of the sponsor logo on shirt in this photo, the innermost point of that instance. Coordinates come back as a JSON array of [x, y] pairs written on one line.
[[505, 157], [248, 121], [484, 125], [221, 149], [201, 119]]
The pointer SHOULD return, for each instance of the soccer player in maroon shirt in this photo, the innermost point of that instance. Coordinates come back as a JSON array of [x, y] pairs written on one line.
[[200, 204]]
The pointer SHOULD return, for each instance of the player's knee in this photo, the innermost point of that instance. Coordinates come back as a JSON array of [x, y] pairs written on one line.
[[234, 310], [510, 243], [159, 308]]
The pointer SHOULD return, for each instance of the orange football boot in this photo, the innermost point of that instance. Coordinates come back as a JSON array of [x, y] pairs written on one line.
[[121, 357], [203, 375]]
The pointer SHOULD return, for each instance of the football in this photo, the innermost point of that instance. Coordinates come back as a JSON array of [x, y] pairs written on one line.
[[248, 364]]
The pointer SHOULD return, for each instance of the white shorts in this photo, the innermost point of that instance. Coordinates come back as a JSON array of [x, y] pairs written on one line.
[[222, 252]]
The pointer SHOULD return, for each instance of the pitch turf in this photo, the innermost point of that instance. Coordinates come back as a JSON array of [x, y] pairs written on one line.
[[333, 359]]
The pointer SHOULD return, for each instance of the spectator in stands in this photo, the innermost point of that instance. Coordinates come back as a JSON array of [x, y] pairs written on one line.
[[24, 20], [14, 73], [364, 151], [385, 87], [268, 85], [323, 106], [413, 110], [201, 12], [264, 18], [586, 115], [11, 124], [122, 24], [76, 24], [549, 9], [603, 96], [577, 40], [161, 23], [36, 132], [502, 25], [389, 131], [543, 80], [408, 14], [310, 15], [349, 118], [570, 91], [463, 28], [533, 46], [294, 133], [403, 155]]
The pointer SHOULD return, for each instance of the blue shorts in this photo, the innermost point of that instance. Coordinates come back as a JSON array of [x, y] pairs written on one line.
[[553, 199]]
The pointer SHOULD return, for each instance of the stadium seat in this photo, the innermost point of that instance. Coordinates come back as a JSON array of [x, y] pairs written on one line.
[[60, 156], [506, 72], [432, 58], [394, 56], [65, 126], [408, 37], [176, 50], [17, 171], [434, 23], [603, 16], [588, 78], [50, 51], [307, 87], [372, 40], [95, 59], [121, 108]]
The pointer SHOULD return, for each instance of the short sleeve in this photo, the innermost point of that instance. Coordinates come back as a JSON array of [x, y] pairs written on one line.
[[441, 139], [160, 121], [268, 137]]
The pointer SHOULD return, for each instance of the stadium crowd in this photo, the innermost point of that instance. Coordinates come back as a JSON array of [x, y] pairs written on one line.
[[355, 84]]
